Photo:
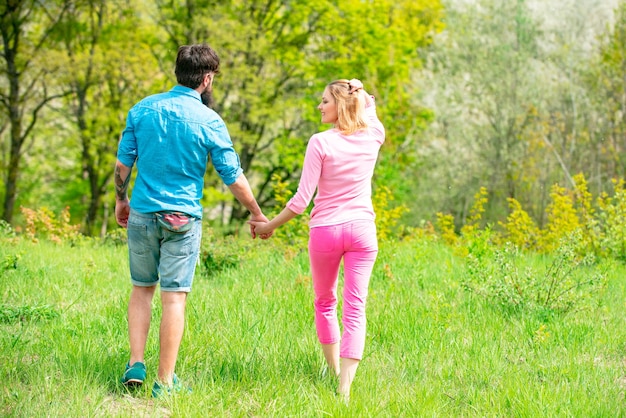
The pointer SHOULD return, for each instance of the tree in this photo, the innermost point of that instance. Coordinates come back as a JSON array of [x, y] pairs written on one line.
[[25, 28], [607, 87], [262, 45], [383, 43], [511, 111], [277, 57], [105, 81]]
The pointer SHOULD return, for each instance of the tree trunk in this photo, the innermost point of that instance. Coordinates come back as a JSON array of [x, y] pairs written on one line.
[[11, 179]]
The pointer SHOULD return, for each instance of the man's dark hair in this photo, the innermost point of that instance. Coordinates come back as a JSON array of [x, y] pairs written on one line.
[[193, 62]]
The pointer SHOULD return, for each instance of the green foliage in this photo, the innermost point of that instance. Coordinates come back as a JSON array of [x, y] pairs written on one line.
[[219, 253], [603, 76], [611, 220], [520, 229], [571, 214], [520, 101], [445, 227], [481, 79], [116, 237], [295, 232], [562, 218], [216, 259], [27, 84], [569, 283], [387, 215], [17, 314], [10, 262], [6, 231], [475, 218], [576, 234], [473, 238]]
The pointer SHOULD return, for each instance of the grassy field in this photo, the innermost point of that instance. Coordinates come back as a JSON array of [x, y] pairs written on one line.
[[433, 348]]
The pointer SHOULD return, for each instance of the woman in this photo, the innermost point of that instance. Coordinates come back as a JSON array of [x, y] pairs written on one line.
[[339, 163]]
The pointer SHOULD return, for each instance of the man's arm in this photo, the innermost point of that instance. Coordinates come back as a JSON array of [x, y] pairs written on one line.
[[122, 204], [243, 193]]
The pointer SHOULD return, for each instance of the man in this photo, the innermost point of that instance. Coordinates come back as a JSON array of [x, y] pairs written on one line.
[[170, 137]]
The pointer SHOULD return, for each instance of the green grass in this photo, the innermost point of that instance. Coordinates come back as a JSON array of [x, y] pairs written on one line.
[[249, 349]]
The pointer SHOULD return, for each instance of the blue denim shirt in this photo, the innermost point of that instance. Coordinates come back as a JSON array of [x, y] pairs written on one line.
[[170, 137]]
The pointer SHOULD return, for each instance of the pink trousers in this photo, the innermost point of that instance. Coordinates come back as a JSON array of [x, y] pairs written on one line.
[[355, 243]]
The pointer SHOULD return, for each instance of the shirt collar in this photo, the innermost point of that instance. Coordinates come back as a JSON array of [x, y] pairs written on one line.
[[186, 90]]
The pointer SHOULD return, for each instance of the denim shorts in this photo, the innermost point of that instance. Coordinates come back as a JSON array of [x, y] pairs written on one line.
[[157, 255]]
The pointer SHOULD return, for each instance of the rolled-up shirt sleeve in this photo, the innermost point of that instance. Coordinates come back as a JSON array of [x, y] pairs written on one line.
[[224, 158], [127, 148]]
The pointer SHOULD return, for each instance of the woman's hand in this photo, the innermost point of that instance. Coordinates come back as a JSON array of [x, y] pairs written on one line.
[[355, 85]]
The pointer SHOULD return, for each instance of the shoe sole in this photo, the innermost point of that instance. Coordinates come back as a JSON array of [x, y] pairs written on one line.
[[133, 382]]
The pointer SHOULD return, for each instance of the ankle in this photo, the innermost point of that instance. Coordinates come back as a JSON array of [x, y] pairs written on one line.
[[344, 393]]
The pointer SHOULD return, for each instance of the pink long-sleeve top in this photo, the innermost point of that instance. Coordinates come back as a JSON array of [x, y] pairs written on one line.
[[340, 167]]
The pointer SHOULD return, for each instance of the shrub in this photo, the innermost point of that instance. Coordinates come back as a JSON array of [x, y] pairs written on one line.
[[296, 231], [116, 237], [472, 224], [43, 223], [600, 229], [562, 218], [5, 230], [219, 253], [569, 283], [387, 216], [612, 223], [10, 262], [445, 226], [519, 228], [590, 231]]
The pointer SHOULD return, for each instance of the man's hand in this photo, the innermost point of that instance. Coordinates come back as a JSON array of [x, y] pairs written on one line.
[[122, 210], [258, 220], [122, 204]]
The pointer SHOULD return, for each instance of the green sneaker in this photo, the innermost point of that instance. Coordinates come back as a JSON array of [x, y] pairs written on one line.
[[159, 390], [134, 375]]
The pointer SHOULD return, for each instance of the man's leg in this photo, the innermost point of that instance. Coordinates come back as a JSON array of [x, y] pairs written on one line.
[[179, 256], [139, 314], [171, 333]]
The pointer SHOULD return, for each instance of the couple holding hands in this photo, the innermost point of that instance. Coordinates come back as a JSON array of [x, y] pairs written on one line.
[[170, 137]]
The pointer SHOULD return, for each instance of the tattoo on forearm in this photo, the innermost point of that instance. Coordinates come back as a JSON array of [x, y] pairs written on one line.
[[121, 185]]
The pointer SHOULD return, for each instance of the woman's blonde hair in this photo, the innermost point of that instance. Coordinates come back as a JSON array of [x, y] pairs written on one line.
[[350, 107]]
